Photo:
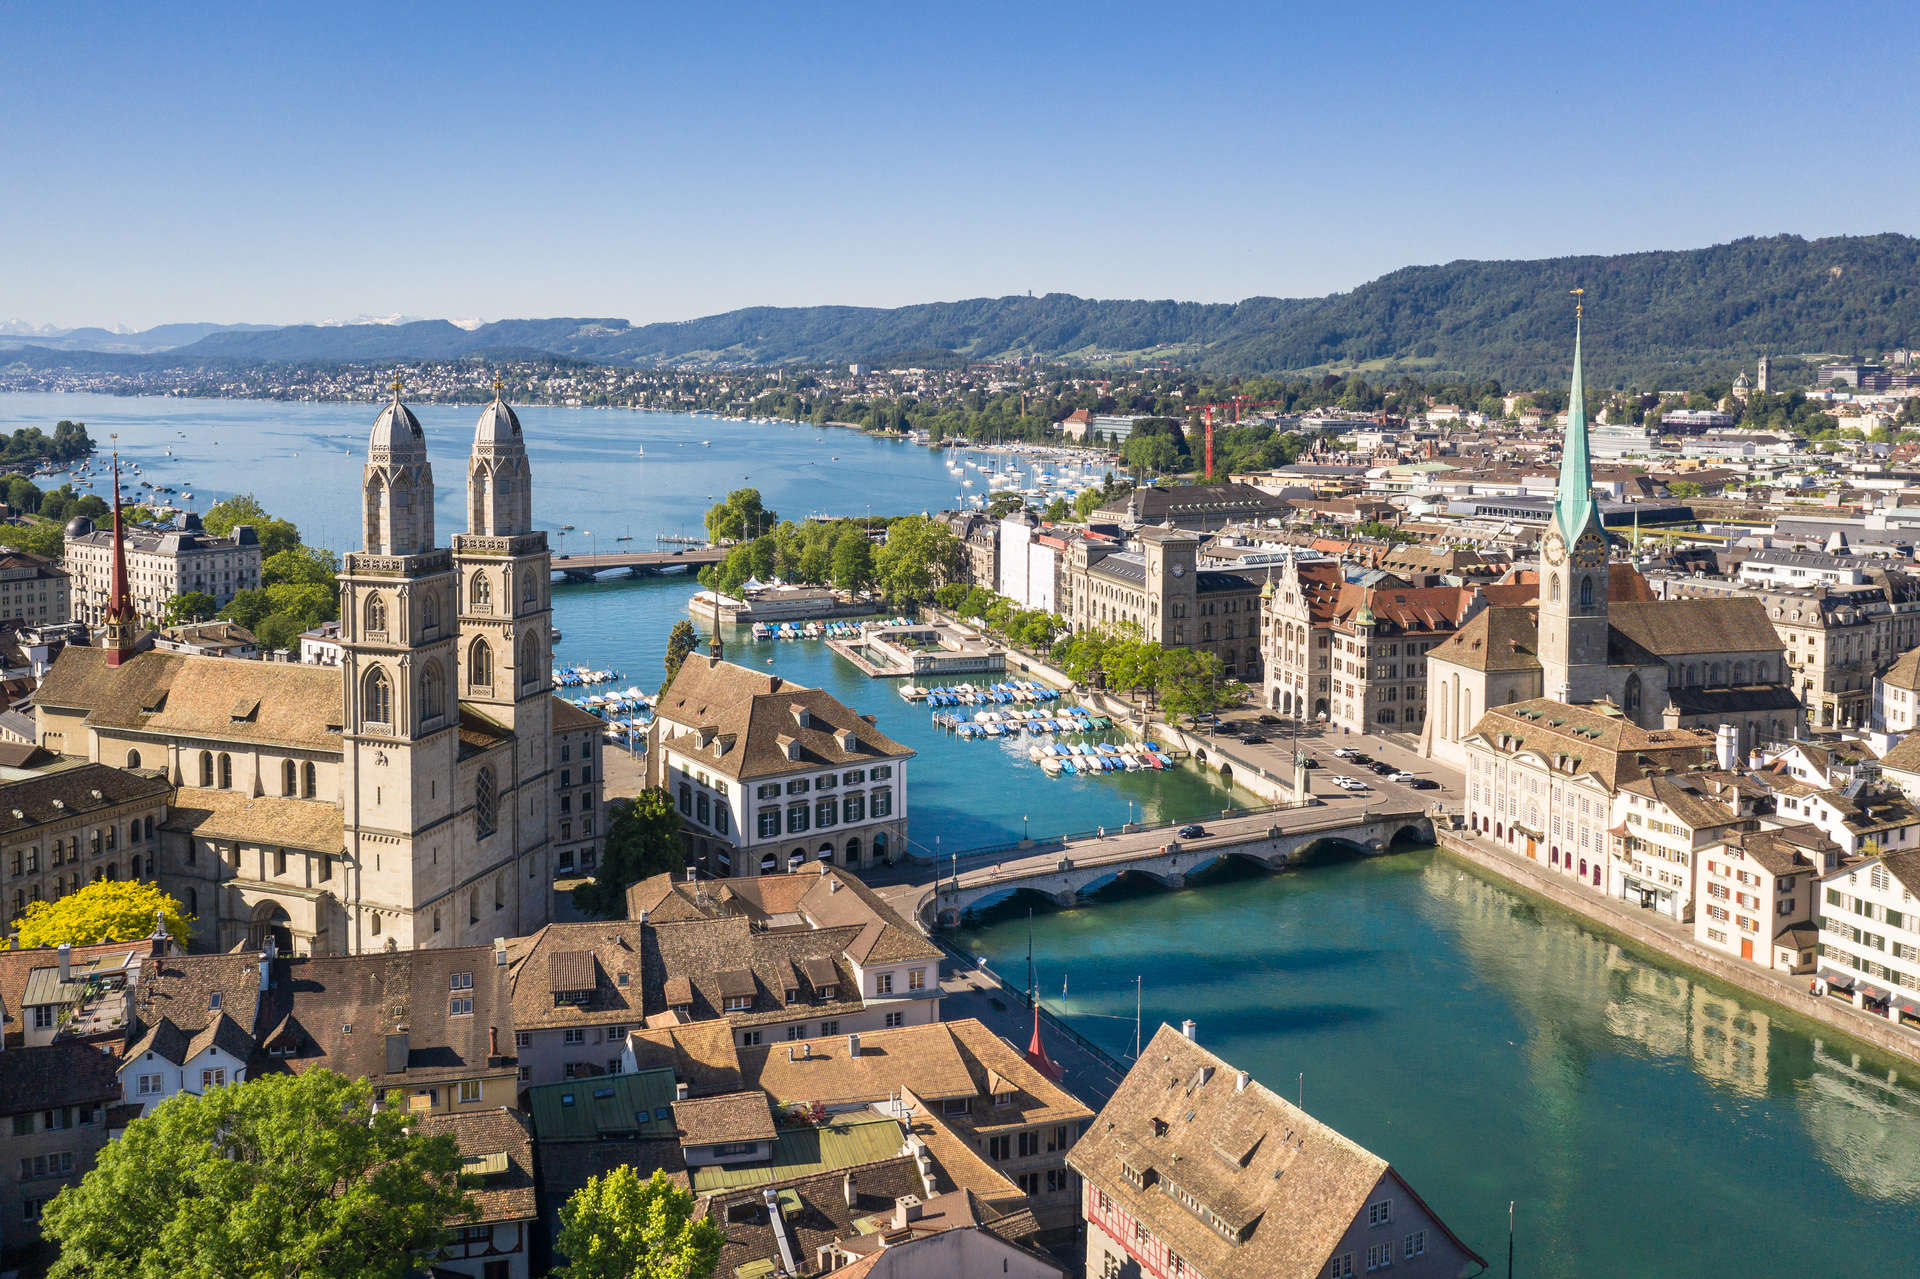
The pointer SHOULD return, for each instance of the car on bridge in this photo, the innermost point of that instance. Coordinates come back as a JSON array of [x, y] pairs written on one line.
[[1191, 832]]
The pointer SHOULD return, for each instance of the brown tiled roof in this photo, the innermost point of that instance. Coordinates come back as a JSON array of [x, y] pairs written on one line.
[[182, 990], [1680, 627], [62, 793], [755, 720], [568, 718], [63, 1073], [1416, 610], [713, 1121], [1687, 799], [507, 1195], [925, 1058], [565, 1166], [700, 1054], [386, 1016], [478, 733], [1905, 867], [818, 1212], [1905, 755], [212, 698], [1782, 852], [269, 820], [1288, 1183], [825, 896], [1498, 638], [1610, 747], [656, 959], [570, 970]]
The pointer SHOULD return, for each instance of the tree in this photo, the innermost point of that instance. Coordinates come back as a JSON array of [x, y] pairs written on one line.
[[1684, 489], [1193, 683], [952, 595], [740, 517], [191, 606], [289, 1175], [852, 560], [275, 535], [104, 910], [682, 642], [643, 839], [920, 554], [1001, 505], [300, 566], [620, 1227]]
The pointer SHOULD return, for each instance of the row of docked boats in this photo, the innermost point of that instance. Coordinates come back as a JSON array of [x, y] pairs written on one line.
[[1005, 693], [1032, 723], [583, 677], [1058, 758], [821, 630]]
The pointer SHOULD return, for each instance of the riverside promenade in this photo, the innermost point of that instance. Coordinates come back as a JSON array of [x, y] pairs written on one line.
[[1675, 942]]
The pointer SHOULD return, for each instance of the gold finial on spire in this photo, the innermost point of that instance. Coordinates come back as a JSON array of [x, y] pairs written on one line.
[[1579, 301], [498, 386], [395, 387]]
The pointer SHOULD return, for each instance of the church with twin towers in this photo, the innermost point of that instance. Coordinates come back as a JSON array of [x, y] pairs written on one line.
[[423, 793]]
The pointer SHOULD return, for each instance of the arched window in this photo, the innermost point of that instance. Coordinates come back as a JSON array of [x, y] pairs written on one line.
[[1586, 592], [373, 925], [482, 594], [433, 696], [429, 614], [148, 825], [1553, 588], [484, 814], [310, 789], [376, 698], [206, 770], [226, 771], [1632, 698], [133, 759], [529, 660], [480, 666], [376, 615], [527, 593], [289, 778]]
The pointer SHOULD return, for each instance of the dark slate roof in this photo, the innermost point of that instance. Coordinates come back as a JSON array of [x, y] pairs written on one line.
[[64, 1073], [60, 794]]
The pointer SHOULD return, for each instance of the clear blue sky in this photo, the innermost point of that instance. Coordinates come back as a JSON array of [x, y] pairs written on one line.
[[281, 163]]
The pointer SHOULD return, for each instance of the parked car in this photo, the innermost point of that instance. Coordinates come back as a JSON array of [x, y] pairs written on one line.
[[1192, 832], [1344, 752], [1270, 719], [1308, 761], [1349, 783], [1382, 768], [1423, 783], [1359, 758], [1403, 777], [1252, 738]]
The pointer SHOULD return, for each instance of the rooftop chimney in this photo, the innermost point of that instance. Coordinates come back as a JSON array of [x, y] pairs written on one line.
[[643, 917], [853, 1041], [1241, 1080], [66, 961], [850, 1189], [679, 1092], [266, 971], [1726, 743], [500, 951], [1186, 1028], [779, 1223]]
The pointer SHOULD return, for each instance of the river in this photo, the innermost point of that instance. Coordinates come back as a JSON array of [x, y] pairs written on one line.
[[1490, 1046], [1493, 1048]]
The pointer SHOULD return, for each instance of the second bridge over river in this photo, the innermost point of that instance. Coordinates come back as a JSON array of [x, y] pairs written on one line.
[[1271, 840]]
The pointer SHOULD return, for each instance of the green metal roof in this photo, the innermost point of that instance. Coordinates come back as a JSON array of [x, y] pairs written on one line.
[[1573, 503], [805, 1151], [633, 1105]]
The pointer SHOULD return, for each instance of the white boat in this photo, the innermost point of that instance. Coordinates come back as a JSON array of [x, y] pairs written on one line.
[[640, 452]]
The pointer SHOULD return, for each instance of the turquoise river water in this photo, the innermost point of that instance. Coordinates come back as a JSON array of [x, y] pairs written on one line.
[[1490, 1046]]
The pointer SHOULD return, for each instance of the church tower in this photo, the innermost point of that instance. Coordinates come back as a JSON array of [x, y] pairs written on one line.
[[401, 717], [506, 625], [122, 623], [1573, 566]]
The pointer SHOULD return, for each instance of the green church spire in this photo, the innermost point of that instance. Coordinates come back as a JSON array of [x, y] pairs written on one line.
[[1573, 504]]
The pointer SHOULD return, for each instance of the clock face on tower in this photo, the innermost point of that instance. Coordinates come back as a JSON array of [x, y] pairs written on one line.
[[1554, 550], [1590, 551]]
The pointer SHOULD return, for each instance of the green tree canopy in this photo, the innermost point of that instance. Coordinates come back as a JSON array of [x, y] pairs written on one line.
[[275, 534], [852, 560], [620, 1227], [104, 910], [286, 1175], [190, 606], [643, 839], [300, 566], [682, 642], [919, 555], [740, 517]]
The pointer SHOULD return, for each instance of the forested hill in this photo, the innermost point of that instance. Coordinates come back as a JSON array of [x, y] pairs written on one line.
[[1654, 319]]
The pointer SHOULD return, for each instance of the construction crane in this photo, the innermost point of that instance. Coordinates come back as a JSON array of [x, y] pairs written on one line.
[[1237, 403]]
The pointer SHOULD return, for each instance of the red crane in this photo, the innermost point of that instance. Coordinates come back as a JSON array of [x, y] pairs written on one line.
[[1237, 403]]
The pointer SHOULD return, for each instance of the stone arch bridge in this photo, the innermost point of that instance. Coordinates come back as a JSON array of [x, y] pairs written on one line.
[[1085, 866]]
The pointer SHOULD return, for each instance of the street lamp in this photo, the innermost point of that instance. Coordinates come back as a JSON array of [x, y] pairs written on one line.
[[1023, 828]]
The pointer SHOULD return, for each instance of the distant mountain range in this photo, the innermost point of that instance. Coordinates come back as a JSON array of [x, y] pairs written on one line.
[[163, 337], [1653, 319]]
